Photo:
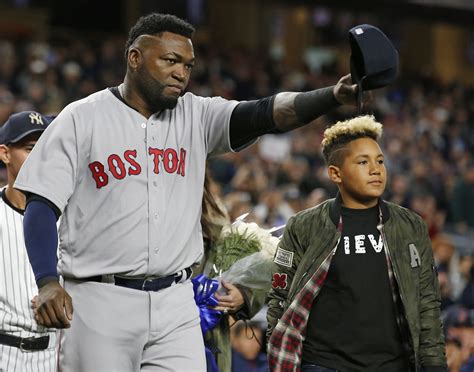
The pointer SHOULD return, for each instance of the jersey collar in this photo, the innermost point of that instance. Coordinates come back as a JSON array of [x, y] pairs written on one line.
[[7, 202]]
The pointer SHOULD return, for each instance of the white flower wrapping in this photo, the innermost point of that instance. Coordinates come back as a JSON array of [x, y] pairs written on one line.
[[254, 270]]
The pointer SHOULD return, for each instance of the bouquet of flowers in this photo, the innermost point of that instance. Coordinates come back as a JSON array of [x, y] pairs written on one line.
[[244, 254]]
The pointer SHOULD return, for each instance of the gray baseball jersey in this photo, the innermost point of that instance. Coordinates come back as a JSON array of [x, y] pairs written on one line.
[[130, 188]]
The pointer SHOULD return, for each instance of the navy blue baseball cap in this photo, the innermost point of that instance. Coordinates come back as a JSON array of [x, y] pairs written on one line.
[[374, 59], [21, 124]]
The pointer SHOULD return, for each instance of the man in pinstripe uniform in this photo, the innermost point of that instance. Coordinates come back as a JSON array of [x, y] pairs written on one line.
[[24, 345]]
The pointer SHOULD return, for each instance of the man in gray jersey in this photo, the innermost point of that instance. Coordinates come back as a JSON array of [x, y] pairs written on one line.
[[125, 169], [24, 345]]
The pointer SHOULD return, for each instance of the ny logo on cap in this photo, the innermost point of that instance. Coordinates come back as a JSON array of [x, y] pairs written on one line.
[[36, 118]]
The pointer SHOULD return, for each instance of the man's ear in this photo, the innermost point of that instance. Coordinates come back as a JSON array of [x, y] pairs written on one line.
[[5, 154], [134, 57], [334, 174]]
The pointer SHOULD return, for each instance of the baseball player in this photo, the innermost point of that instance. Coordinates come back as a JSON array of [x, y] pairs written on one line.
[[124, 167], [24, 345]]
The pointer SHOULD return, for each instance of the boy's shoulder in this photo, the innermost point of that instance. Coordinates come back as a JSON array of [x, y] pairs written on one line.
[[317, 213], [401, 214]]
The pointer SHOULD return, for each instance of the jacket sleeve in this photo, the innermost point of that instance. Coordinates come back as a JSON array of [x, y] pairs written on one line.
[[285, 263], [432, 347]]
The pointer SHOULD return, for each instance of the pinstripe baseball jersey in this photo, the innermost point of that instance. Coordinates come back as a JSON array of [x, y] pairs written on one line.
[[17, 288], [130, 187]]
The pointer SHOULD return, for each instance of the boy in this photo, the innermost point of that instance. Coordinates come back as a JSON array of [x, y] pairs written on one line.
[[354, 286]]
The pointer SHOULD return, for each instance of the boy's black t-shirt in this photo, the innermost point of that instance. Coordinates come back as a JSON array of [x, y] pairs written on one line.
[[352, 324]]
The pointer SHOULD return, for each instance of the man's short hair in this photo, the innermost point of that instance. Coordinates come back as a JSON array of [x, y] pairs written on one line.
[[340, 134], [155, 24]]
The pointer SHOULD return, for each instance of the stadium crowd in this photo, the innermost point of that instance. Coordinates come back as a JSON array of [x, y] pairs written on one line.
[[428, 141]]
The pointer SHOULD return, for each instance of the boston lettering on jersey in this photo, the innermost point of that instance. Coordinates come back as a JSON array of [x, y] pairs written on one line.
[[119, 167]]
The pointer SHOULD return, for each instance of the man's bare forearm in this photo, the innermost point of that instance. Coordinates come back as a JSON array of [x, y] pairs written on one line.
[[292, 110], [284, 113]]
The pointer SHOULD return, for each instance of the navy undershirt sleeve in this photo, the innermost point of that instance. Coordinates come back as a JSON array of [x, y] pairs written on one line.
[[41, 240], [30, 197], [250, 120]]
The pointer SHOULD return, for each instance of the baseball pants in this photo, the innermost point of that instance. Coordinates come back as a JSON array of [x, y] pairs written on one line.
[[116, 329]]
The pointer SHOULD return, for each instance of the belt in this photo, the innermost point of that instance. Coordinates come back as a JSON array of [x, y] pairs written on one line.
[[25, 344], [145, 284]]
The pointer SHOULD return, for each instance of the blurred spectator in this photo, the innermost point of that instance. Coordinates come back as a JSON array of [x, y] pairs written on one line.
[[316, 197], [448, 262], [400, 192], [250, 178], [7, 103], [462, 202], [247, 341], [425, 205], [276, 206], [458, 320], [71, 74], [275, 148], [467, 295], [445, 287], [454, 354], [459, 329], [239, 203]]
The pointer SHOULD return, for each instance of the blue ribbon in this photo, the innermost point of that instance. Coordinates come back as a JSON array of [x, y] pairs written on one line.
[[204, 290], [211, 361]]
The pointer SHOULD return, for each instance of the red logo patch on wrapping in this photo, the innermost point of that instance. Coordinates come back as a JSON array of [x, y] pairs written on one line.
[[279, 281]]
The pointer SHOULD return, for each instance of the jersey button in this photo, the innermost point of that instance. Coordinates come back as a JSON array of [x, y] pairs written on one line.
[[156, 249], [143, 125], [155, 183], [156, 215]]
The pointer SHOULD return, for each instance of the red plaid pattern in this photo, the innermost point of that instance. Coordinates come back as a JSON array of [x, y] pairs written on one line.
[[286, 341]]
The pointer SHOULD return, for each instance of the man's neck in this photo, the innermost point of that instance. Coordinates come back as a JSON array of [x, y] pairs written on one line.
[[15, 197], [133, 99]]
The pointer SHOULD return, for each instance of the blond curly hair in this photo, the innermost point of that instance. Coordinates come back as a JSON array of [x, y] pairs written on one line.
[[340, 134]]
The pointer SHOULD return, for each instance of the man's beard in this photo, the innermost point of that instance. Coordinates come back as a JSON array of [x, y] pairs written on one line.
[[151, 92]]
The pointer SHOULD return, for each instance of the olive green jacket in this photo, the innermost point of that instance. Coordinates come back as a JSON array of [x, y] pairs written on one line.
[[312, 234]]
